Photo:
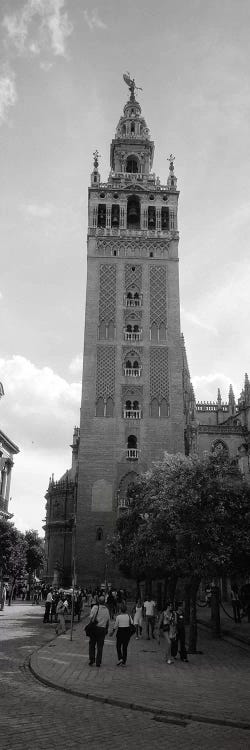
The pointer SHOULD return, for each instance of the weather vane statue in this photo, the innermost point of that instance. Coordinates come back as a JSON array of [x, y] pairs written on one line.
[[131, 84]]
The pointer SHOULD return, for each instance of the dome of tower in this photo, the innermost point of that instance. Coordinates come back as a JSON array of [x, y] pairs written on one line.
[[131, 123]]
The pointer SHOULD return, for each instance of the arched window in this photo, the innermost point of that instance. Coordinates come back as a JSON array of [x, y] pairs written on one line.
[[128, 405], [124, 129], [132, 441], [165, 217], [136, 405], [151, 217], [133, 212], [102, 330], [136, 296], [101, 215], [109, 407], [99, 534], [136, 328], [136, 365], [115, 216], [132, 165], [154, 332], [129, 295], [100, 407], [164, 408], [128, 364], [132, 129], [129, 328], [162, 332], [154, 408], [111, 330]]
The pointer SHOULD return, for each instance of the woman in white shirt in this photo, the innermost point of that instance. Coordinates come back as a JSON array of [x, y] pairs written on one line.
[[122, 629], [138, 619]]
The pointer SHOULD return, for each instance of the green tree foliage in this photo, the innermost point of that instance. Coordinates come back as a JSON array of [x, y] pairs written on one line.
[[188, 517], [35, 555]]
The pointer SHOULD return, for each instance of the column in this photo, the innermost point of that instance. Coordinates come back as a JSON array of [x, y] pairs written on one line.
[[108, 217], [158, 218]]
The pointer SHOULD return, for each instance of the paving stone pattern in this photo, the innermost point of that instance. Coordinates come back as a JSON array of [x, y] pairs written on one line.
[[35, 716]]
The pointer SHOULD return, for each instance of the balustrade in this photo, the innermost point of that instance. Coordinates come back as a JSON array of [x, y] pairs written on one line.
[[132, 454], [133, 372], [132, 335], [132, 413]]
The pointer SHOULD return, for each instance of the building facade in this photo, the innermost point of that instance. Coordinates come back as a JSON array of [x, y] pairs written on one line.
[[137, 396], [132, 389], [8, 450]]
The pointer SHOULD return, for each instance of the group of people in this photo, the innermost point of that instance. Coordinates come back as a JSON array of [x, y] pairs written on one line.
[[169, 624]]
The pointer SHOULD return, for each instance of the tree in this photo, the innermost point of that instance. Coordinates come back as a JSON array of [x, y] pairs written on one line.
[[189, 518], [35, 554]]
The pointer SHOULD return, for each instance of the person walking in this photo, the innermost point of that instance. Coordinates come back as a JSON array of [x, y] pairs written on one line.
[[149, 609], [100, 615], [167, 623], [180, 633], [48, 604], [122, 628], [61, 610], [138, 619]]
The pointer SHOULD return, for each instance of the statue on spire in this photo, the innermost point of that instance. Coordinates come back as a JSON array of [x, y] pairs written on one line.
[[96, 156], [171, 160], [131, 84]]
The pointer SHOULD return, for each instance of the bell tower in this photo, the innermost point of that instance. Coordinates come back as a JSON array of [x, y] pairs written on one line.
[[132, 392]]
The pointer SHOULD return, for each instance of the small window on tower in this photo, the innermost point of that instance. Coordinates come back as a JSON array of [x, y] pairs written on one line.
[[132, 165]]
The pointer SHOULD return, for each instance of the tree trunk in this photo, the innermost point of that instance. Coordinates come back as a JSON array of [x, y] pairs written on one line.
[[138, 589], [192, 646], [172, 587], [215, 612], [165, 593], [187, 604]]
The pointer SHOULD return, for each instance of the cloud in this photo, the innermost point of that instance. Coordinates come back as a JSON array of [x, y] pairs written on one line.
[[192, 318], [39, 211], [8, 93], [46, 66], [75, 365], [39, 25], [93, 20], [39, 407], [1, 295], [38, 412], [206, 386]]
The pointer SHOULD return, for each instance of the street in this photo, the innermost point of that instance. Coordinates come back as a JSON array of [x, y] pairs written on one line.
[[42, 718]]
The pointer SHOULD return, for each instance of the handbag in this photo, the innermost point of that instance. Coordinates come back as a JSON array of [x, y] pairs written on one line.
[[132, 628], [90, 628]]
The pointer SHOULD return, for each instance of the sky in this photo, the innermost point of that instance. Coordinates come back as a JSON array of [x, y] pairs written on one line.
[[61, 96]]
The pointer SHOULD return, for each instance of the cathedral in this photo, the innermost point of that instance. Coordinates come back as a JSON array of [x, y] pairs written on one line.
[[137, 397]]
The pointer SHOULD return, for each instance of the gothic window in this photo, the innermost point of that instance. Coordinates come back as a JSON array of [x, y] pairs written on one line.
[[109, 407], [128, 364], [99, 534], [154, 408], [111, 331], [151, 217], [132, 165], [132, 441], [163, 408], [101, 215], [132, 129], [162, 332], [133, 212], [102, 330], [165, 217], [129, 295], [136, 405], [128, 405], [100, 407], [115, 216], [135, 365], [154, 332], [136, 329]]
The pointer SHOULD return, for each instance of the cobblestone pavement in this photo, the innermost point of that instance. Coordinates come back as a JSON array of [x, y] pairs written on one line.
[[38, 717]]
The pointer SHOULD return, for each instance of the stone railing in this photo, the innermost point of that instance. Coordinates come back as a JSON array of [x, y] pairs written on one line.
[[133, 372], [132, 413], [132, 454], [132, 335]]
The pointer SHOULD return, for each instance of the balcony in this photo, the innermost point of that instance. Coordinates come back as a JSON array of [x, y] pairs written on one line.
[[132, 454], [130, 302], [133, 372], [132, 335], [123, 504], [132, 413]]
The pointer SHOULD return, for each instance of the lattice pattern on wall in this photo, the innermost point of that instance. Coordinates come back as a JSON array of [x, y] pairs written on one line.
[[136, 247], [133, 275], [158, 295], [105, 371], [107, 296], [159, 376]]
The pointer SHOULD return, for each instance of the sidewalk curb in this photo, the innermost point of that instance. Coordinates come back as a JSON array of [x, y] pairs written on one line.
[[225, 634], [181, 717]]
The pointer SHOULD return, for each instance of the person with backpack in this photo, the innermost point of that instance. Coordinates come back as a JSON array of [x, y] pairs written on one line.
[[99, 617]]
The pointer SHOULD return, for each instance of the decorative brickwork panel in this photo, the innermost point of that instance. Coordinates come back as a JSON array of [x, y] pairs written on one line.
[[136, 247], [133, 275], [107, 297], [159, 377], [105, 372], [158, 294]]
